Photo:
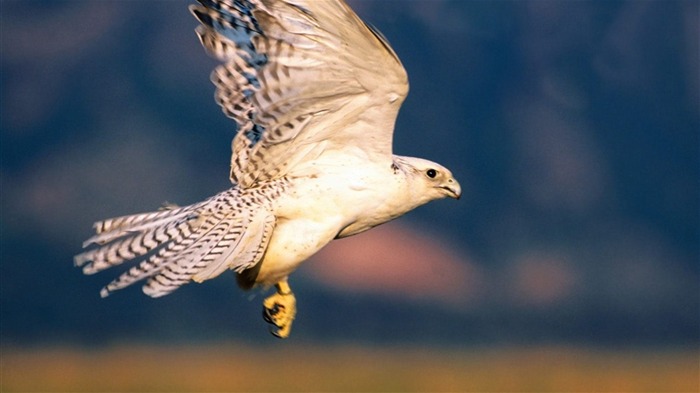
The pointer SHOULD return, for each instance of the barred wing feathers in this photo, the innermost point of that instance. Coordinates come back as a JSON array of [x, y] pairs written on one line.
[[196, 242], [299, 78]]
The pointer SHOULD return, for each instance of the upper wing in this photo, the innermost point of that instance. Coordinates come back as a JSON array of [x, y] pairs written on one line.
[[300, 77]]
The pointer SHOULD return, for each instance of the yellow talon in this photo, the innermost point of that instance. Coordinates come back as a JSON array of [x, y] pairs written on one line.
[[279, 309]]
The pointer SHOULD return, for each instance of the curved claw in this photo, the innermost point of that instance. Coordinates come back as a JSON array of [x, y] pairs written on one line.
[[266, 315]]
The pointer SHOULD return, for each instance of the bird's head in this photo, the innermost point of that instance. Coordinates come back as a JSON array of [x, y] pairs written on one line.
[[432, 180]]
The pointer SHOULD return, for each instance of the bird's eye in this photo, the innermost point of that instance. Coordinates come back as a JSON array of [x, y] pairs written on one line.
[[431, 173]]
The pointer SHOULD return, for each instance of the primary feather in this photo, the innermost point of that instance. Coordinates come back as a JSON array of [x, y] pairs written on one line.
[[297, 73]]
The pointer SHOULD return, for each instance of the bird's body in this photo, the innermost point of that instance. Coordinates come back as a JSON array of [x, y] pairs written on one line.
[[311, 161], [353, 197]]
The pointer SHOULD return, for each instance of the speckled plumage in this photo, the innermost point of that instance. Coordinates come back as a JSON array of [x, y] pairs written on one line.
[[314, 93]]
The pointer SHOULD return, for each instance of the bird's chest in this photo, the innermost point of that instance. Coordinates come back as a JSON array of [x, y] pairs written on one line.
[[317, 209], [348, 202]]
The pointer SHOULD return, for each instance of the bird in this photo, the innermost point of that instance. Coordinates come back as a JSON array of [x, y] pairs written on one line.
[[314, 93]]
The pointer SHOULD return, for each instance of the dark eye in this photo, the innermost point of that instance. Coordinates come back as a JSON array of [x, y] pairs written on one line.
[[431, 173]]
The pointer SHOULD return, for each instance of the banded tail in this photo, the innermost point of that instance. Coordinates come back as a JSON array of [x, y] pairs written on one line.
[[195, 242]]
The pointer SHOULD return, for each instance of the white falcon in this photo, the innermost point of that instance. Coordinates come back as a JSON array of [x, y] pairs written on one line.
[[315, 93]]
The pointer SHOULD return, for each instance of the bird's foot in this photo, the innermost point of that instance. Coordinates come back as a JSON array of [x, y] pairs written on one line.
[[279, 310]]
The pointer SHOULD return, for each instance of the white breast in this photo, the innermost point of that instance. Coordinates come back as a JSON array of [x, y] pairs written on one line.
[[323, 206]]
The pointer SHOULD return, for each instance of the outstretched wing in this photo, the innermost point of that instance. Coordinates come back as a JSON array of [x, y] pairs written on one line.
[[300, 77]]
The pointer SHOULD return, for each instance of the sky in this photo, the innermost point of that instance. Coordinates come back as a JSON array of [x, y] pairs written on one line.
[[571, 126]]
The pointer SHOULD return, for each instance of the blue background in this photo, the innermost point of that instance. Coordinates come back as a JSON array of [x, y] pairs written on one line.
[[572, 126]]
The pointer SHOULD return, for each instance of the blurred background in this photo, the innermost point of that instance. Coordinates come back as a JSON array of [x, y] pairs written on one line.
[[572, 127]]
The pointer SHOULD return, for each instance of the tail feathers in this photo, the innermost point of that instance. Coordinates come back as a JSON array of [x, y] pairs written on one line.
[[114, 228], [233, 243], [199, 242], [132, 236], [150, 266], [246, 246], [177, 269]]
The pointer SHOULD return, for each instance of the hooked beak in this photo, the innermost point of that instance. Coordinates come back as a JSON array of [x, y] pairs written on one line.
[[453, 189]]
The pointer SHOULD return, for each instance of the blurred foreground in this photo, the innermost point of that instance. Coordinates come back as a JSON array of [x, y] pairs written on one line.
[[296, 367]]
